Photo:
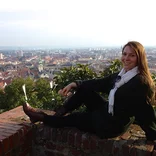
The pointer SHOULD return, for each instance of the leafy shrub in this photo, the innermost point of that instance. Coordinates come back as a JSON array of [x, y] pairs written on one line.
[[115, 66], [70, 74]]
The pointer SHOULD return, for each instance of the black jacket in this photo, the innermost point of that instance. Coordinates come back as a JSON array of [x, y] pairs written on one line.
[[130, 101]]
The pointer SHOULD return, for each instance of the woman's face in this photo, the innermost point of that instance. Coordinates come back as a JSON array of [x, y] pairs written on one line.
[[129, 58]]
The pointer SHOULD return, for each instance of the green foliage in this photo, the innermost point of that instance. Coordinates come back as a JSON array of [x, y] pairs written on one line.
[[43, 96], [78, 72], [13, 93], [115, 66], [42, 91], [154, 77], [2, 100]]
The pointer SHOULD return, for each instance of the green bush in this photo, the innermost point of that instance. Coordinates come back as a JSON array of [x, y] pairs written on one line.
[[70, 74], [115, 66]]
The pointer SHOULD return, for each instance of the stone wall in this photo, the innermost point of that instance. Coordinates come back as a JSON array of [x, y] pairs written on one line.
[[20, 138]]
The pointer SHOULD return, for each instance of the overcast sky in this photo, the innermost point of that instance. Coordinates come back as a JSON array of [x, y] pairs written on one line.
[[65, 23]]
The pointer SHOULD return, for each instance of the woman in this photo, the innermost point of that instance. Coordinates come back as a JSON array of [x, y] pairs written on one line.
[[131, 95]]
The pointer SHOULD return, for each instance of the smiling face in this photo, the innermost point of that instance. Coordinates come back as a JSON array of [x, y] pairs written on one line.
[[129, 58]]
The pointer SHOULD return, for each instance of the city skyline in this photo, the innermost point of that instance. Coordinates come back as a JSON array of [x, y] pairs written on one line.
[[76, 23]]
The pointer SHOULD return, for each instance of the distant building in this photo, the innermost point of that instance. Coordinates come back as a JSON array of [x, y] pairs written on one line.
[[1, 56], [19, 53]]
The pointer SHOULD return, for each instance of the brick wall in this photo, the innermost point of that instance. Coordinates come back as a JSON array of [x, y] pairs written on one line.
[[15, 138], [20, 138]]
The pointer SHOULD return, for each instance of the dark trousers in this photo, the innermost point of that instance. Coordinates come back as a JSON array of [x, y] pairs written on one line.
[[94, 103]]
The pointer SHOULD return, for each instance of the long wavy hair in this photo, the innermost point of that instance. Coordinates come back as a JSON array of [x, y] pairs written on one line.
[[143, 69]]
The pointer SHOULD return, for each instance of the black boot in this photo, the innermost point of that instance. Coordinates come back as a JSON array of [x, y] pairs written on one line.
[[61, 111], [33, 114]]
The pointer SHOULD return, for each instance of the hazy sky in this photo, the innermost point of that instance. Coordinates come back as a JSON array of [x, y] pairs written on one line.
[[76, 22]]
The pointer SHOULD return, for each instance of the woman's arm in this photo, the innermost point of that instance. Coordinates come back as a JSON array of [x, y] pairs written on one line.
[[100, 85], [66, 90]]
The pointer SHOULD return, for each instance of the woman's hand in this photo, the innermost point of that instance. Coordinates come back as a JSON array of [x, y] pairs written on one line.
[[66, 90]]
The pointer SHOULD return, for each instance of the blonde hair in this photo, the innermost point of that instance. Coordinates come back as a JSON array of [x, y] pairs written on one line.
[[143, 68]]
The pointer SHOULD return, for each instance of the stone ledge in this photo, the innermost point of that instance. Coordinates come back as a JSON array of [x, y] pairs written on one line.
[[71, 141], [19, 137], [15, 137]]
